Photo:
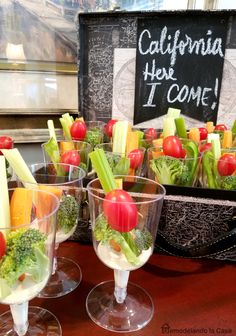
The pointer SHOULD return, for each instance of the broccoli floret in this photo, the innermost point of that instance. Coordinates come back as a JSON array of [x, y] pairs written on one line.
[[103, 232], [25, 253], [143, 239], [112, 159], [23, 245], [67, 214], [170, 170], [93, 136], [228, 182], [119, 165]]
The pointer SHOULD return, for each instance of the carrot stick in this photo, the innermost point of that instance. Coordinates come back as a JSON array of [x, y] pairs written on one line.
[[194, 135], [132, 141], [227, 139], [20, 207], [66, 146]]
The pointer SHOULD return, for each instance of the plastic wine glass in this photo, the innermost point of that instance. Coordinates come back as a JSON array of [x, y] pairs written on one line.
[[66, 274], [123, 238], [26, 265]]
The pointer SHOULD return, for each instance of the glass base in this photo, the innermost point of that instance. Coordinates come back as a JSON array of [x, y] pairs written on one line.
[[67, 277], [134, 314], [41, 322]]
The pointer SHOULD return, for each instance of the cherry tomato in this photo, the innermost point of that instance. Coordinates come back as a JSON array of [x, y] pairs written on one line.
[[71, 157], [5, 143], [172, 146], [109, 127], [205, 147], [226, 164], [220, 127], [203, 133], [120, 210], [150, 134], [2, 245], [183, 153], [136, 158], [78, 130]]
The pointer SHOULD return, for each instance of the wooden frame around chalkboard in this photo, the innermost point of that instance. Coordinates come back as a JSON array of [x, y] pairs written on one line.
[[96, 58]]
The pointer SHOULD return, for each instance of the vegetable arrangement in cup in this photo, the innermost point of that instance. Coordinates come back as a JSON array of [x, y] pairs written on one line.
[[175, 163], [125, 212], [78, 129], [219, 167], [67, 187], [131, 164], [27, 239]]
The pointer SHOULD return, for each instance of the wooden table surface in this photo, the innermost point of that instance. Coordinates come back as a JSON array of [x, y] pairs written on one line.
[[191, 297]]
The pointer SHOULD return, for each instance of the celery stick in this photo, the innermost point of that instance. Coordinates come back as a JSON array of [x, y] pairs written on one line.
[[173, 112], [181, 128], [216, 148], [68, 119], [18, 164], [4, 197], [233, 129], [66, 129], [52, 133], [103, 169], [213, 136], [168, 126], [120, 131], [52, 150]]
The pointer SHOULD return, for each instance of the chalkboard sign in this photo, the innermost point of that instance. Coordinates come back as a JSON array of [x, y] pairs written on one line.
[[179, 63], [199, 81]]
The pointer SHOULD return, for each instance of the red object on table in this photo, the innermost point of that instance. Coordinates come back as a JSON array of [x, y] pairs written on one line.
[[194, 297]]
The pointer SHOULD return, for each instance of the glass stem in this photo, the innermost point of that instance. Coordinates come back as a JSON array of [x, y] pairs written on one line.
[[121, 281], [54, 266], [20, 317]]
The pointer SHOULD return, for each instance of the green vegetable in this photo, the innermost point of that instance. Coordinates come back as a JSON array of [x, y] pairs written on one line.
[[66, 128], [103, 169], [18, 164], [119, 166], [93, 136], [168, 126], [228, 182], [170, 170], [25, 254], [143, 239], [216, 148], [233, 129], [181, 128], [52, 150], [120, 131], [122, 167], [67, 214], [193, 154], [104, 233], [4, 198], [209, 169], [51, 129], [173, 112], [140, 138], [112, 159]]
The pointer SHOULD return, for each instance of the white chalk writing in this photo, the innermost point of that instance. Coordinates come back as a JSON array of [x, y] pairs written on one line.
[[173, 45]]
